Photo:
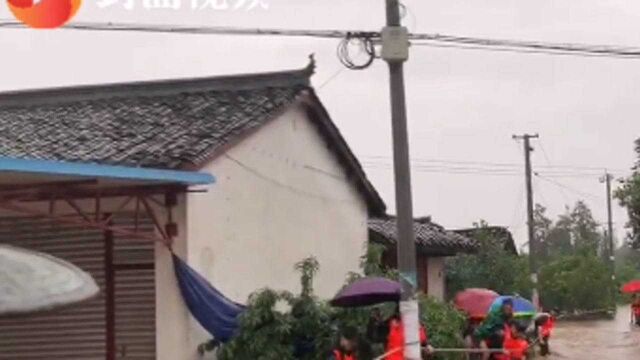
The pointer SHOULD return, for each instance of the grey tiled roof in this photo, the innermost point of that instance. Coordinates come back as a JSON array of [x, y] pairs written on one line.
[[497, 234], [175, 124], [162, 131], [430, 236]]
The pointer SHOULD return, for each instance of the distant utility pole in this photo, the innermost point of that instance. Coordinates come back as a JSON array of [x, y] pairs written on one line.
[[395, 51], [533, 245], [610, 253]]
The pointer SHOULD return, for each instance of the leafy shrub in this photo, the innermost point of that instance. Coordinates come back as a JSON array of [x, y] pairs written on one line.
[[579, 282], [492, 267], [444, 324], [306, 328], [265, 333]]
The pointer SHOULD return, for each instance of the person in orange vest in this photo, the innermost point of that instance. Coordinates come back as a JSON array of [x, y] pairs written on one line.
[[351, 347], [515, 344], [544, 326], [391, 332], [490, 333], [635, 310]]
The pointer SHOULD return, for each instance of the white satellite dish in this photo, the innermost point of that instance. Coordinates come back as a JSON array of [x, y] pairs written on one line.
[[32, 282]]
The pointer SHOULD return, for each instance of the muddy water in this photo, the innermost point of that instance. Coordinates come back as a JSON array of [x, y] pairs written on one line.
[[597, 340]]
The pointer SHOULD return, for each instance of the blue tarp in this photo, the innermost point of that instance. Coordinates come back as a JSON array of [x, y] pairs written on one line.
[[216, 313]]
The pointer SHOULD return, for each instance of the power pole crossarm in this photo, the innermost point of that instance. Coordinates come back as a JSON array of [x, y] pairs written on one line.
[[533, 243], [395, 51]]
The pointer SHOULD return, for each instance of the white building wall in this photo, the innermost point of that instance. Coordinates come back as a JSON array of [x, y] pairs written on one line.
[[436, 282], [173, 321], [280, 196]]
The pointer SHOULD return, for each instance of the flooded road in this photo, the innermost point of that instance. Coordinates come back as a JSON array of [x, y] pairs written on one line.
[[605, 340]]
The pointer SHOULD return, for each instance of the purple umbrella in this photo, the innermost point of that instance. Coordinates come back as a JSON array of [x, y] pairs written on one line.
[[368, 291]]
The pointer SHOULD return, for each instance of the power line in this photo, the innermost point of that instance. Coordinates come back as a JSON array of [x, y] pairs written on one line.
[[519, 51], [451, 172], [365, 42], [538, 190], [576, 191], [331, 78], [544, 153], [474, 169], [418, 39], [198, 30], [528, 46], [549, 167], [291, 189]]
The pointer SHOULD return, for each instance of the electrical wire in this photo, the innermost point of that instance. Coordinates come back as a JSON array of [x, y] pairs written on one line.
[[294, 190], [519, 51], [526, 46], [576, 191], [369, 37], [559, 169], [544, 153], [366, 46], [405, 11], [538, 191], [194, 30], [481, 169], [469, 171], [331, 78]]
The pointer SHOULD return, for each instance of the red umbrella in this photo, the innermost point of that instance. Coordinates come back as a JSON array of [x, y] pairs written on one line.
[[631, 287], [475, 302]]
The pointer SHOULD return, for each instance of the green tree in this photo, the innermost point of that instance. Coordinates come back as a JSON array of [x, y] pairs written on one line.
[[542, 228], [629, 196], [578, 282], [281, 325], [559, 237], [304, 331], [627, 265], [584, 230], [445, 325], [575, 231], [492, 267]]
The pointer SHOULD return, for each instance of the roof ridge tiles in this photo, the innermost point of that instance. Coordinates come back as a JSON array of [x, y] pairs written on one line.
[[79, 93]]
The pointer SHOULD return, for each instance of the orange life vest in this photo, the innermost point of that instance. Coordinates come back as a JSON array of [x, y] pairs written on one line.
[[547, 327], [396, 339], [516, 349], [340, 356]]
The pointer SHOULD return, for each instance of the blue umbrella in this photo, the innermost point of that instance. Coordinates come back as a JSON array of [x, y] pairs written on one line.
[[521, 306]]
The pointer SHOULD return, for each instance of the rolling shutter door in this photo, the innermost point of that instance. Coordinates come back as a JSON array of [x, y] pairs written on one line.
[[79, 331], [134, 295]]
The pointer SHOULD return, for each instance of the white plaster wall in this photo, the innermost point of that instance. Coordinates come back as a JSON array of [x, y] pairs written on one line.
[[436, 282], [280, 196], [173, 321]]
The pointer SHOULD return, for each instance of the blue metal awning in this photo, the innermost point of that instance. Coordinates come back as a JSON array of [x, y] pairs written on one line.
[[106, 172]]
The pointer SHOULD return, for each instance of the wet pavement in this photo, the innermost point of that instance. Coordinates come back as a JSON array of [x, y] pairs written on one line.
[[597, 340]]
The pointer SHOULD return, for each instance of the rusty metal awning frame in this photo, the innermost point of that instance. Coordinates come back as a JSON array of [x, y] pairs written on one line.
[[138, 187]]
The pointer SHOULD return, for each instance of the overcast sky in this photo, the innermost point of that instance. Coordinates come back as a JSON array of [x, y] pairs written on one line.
[[463, 105]]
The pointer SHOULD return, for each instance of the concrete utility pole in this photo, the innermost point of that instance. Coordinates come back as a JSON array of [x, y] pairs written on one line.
[[610, 247], [533, 245], [395, 51]]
